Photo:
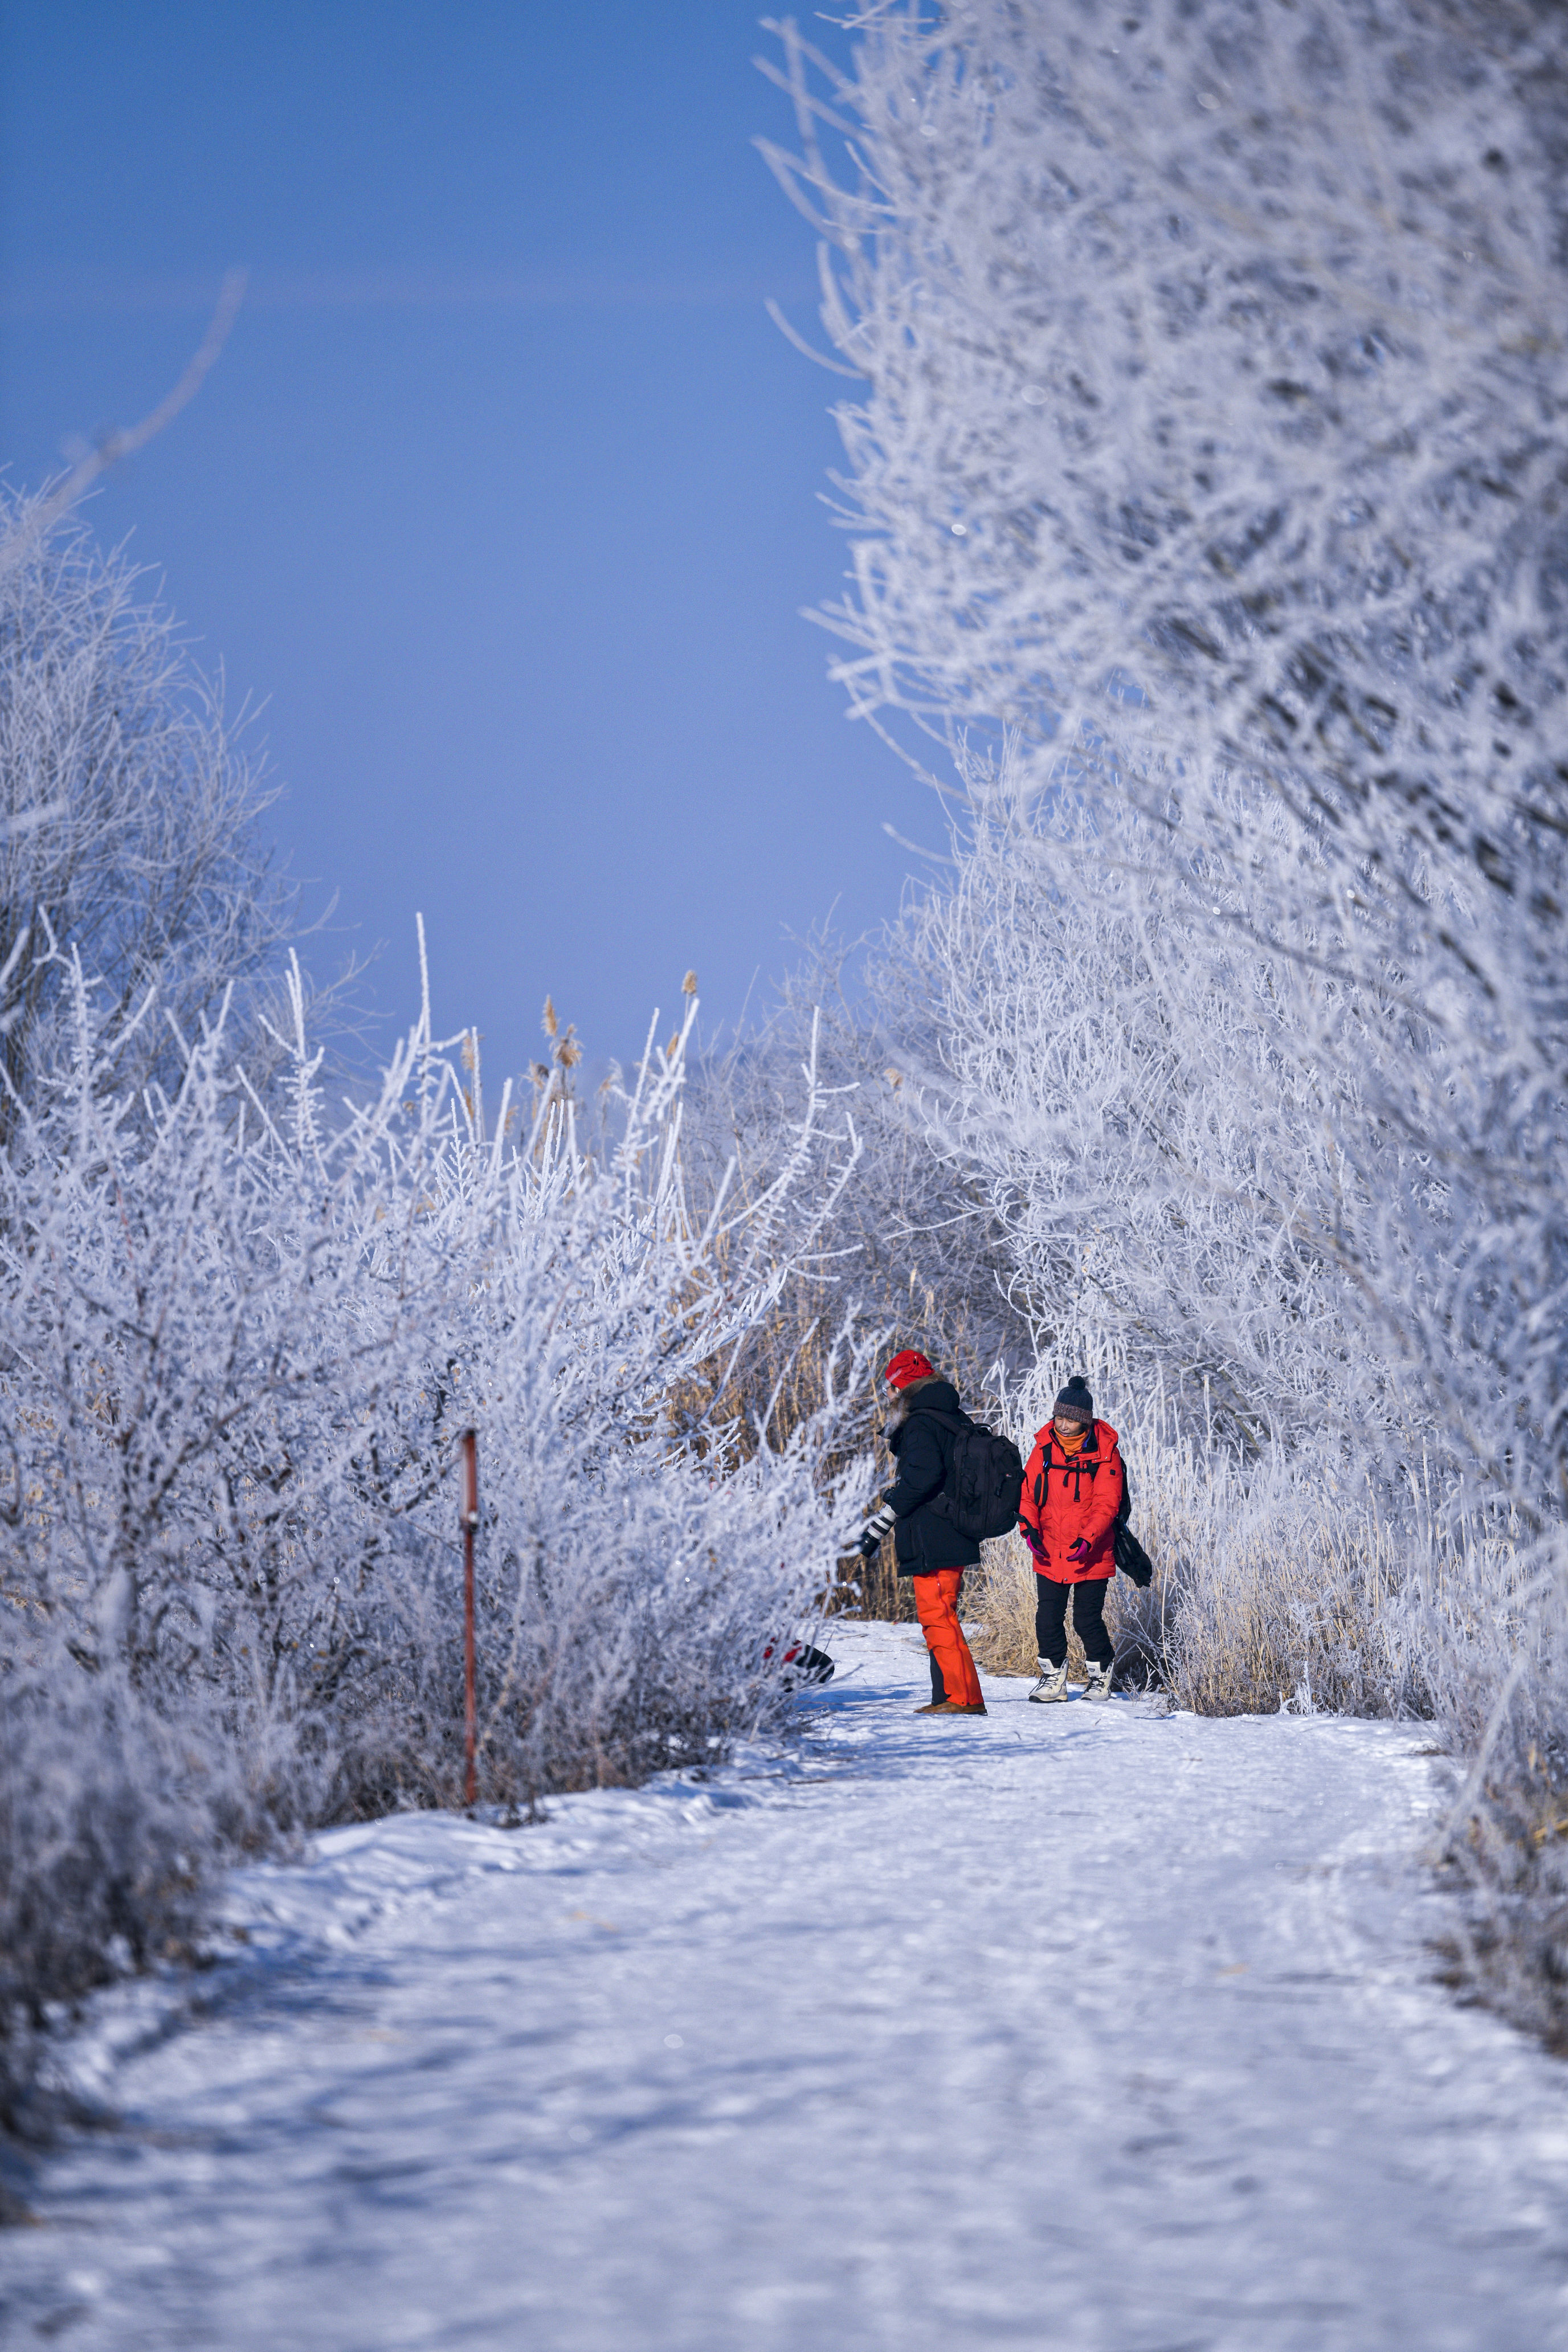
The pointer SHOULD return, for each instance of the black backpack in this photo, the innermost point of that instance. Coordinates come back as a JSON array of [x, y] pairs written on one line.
[[984, 1484]]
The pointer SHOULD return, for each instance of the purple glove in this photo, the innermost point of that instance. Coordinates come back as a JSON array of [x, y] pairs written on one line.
[[1077, 1549], [1032, 1539]]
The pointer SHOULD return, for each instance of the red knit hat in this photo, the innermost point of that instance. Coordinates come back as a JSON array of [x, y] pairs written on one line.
[[909, 1365]]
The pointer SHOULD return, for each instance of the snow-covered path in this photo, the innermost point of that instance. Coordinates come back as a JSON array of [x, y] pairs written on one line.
[[1074, 2026]]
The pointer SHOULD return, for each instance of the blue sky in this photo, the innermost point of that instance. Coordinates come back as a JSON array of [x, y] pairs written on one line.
[[503, 498]]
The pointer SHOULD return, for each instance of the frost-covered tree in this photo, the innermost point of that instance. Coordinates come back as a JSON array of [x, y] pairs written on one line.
[[1212, 447], [1160, 1180], [1205, 500], [130, 814], [243, 1326]]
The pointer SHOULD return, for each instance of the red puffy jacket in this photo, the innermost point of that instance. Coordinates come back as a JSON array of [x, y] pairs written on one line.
[[1067, 1495]]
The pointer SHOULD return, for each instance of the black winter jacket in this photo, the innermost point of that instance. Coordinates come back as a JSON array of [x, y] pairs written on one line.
[[922, 1446]]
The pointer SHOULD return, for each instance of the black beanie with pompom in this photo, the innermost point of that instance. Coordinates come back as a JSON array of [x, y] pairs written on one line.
[[1075, 1401]]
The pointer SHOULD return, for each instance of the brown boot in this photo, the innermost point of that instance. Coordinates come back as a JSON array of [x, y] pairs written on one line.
[[950, 1706]]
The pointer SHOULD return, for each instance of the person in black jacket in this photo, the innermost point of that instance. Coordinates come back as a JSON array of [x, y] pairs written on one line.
[[930, 1549]]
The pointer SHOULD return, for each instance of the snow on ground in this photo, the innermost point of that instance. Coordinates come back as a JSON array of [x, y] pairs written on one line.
[[1075, 2026]]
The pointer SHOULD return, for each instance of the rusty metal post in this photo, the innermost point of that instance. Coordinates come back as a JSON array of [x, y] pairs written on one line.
[[470, 1444]]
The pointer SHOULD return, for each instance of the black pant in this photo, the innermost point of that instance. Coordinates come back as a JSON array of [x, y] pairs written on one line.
[[1088, 1617]]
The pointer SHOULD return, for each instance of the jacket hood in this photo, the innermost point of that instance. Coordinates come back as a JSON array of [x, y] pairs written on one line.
[[941, 1396]]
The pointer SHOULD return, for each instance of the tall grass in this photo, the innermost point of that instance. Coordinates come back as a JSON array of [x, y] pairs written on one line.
[[1292, 1580]]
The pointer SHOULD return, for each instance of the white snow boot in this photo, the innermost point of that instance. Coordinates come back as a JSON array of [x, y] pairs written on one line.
[[1052, 1684], [1098, 1683]]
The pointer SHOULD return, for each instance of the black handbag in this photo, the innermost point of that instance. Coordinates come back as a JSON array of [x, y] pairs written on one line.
[[1130, 1556]]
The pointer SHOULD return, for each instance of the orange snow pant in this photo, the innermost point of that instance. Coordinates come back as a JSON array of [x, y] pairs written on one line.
[[936, 1606]]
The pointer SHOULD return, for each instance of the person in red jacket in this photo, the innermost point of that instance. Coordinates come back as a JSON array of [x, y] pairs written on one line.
[[1073, 1486]]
